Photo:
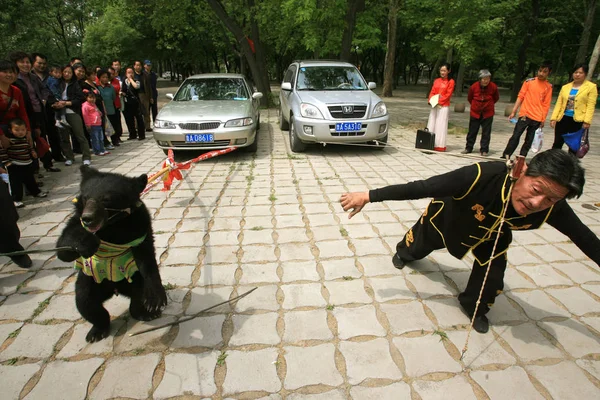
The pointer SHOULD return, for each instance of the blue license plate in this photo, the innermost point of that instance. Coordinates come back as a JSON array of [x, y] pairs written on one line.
[[348, 126], [200, 138]]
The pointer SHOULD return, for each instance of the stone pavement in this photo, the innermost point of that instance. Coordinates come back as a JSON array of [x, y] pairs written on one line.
[[331, 319]]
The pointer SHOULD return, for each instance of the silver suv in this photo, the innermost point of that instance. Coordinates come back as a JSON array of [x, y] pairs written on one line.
[[330, 102]]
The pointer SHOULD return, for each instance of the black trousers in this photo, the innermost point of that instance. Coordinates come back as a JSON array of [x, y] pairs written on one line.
[[522, 124], [565, 125], [9, 230], [115, 121], [423, 238], [134, 120], [154, 108], [20, 175], [486, 133]]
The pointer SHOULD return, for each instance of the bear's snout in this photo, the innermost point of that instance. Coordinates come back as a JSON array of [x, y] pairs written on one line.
[[92, 217]]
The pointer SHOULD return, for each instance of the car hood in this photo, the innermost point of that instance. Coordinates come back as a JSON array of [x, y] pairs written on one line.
[[326, 97], [220, 110]]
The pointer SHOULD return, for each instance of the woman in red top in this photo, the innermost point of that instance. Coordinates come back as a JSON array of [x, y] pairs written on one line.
[[483, 96], [438, 118]]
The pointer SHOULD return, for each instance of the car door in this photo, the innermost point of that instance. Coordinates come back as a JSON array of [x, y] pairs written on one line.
[[284, 95], [255, 102]]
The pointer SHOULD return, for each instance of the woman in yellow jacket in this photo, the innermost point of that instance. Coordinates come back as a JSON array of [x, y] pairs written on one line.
[[574, 107]]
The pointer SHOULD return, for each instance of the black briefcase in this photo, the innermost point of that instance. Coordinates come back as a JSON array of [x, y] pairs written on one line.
[[425, 139]]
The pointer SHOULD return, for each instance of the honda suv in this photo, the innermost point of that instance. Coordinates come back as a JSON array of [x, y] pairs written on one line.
[[330, 102]]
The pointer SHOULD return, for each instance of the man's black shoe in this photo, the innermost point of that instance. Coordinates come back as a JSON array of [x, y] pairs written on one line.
[[481, 324], [398, 261], [22, 261]]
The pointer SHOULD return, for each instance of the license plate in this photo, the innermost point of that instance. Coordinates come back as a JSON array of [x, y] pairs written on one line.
[[200, 138], [348, 126]]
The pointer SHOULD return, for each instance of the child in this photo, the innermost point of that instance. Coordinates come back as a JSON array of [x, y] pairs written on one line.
[[53, 83], [21, 155], [92, 117]]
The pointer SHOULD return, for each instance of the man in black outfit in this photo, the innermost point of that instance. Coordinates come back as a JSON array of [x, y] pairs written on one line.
[[466, 210], [9, 230]]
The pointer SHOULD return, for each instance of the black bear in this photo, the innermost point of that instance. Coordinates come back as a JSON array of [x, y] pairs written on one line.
[[113, 248]]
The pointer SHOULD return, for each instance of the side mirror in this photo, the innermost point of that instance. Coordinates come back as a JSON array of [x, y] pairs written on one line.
[[257, 95], [170, 96], [372, 85], [286, 86]]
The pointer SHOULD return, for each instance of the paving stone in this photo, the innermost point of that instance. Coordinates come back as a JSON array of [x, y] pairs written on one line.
[[205, 297], [460, 278], [300, 271], [357, 321], [117, 306], [398, 390], [259, 273], [258, 223], [306, 325], [550, 253], [331, 395], [407, 317], [10, 282], [394, 288], [60, 307], [263, 298], [431, 284], [182, 255], [565, 379], [357, 230], [289, 221], [188, 373], [264, 236], [425, 355], [21, 306], [482, 349], [513, 279], [28, 343], [220, 238], [7, 329], [217, 275], [346, 292], [494, 384], [527, 342], [453, 388], [335, 269], [200, 225], [48, 280], [302, 295], [65, 380], [448, 312], [537, 305], [14, 377], [369, 359], [323, 233], [295, 251], [378, 265], [147, 340], [164, 225], [366, 247], [594, 288], [334, 248], [251, 371], [578, 272], [575, 300], [258, 211], [591, 366], [137, 385], [311, 366], [545, 275], [594, 322], [201, 331], [187, 239], [254, 329], [221, 254], [518, 255], [258, 254], [573, 336], [179, 276], [77, 343], [503, 311], [321, 219], [292, 235]]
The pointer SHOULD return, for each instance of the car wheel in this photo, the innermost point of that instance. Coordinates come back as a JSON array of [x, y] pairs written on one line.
[[296, 145], [254, 146], [283, 124], [258, 123], [382, 143]]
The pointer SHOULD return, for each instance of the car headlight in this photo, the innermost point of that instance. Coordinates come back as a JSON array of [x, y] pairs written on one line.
[[238, 122], [379, 110], [162, 124], [310, 111]]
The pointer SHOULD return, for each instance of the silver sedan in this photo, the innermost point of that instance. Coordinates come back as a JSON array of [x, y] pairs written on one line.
[[209, 111]]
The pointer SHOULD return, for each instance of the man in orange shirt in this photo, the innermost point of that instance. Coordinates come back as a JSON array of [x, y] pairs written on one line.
[[534, 102]]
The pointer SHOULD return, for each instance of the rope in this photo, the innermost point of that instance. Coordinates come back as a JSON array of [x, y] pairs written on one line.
[[23, 252]]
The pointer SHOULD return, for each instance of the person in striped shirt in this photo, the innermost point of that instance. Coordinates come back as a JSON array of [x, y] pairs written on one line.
[[20, 170]]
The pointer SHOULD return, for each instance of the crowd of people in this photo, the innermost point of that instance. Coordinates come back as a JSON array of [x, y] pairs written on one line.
[[573, 111], [50, 113]]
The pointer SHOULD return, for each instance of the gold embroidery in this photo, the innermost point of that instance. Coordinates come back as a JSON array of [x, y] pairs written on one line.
[[409, 238], [478, 208], [516, 228], [424, 213]]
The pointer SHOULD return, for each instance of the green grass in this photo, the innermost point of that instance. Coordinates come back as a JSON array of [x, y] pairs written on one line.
[[257, 228], [14, 334], [221, 359], [330, 307], [169, 286], [343, 232], [442, 334], [40, 307], [272, 197], [12, 361], [348, 278], [138, 351]]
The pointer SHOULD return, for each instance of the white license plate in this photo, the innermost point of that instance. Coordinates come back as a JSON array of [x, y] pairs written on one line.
[[199, 138], [348, 126]]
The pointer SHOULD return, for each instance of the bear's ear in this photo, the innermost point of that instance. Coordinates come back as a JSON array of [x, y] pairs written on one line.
[[140, 182], [87, 172]]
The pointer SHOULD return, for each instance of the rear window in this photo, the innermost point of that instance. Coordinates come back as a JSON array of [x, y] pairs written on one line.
[[212, 89], [330, 78]]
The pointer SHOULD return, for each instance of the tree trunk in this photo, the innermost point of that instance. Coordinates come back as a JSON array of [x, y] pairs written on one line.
[[459, 80], [354, 7], [262, 82], [594, 58], [449, 56], [522, 53], [585, 35], [431, 76], [390, 55]]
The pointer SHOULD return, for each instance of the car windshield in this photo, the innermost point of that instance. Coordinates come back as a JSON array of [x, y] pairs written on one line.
[[330, 78], [212, 89]]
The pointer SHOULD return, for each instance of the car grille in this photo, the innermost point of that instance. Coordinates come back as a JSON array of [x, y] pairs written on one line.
[[348, 134], [199, 126], [357, 112], [216, 143]]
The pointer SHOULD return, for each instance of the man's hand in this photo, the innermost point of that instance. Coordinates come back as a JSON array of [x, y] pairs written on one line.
[[542, 124], [586, 126], [552, 124], [511, 116], [33, 154], [354, 201]]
